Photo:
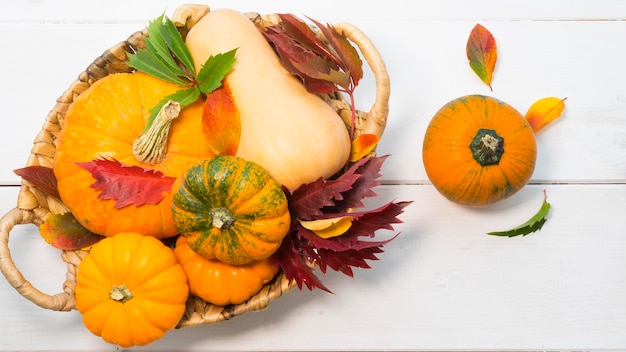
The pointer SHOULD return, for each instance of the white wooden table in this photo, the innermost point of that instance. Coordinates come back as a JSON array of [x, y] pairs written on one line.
[[443, 284]]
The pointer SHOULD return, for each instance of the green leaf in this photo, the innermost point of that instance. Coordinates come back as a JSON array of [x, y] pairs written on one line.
[[156, 44], [163, 45], [175, 42], [165, 60], [533, 224], [184, 97], [214, 70], [148, 62]]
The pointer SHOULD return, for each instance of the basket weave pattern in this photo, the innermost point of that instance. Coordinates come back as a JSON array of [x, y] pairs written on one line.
[[33, 205]]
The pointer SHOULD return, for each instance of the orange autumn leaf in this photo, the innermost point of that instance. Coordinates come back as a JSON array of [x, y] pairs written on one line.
[[363, 145], [544, 111], [221, 122], [482, 53]]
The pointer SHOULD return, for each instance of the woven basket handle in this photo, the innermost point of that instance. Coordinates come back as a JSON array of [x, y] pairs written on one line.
[[60, 302], [376, 119]]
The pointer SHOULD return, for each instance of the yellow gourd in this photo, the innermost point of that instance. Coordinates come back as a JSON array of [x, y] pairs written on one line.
[[290, 132]]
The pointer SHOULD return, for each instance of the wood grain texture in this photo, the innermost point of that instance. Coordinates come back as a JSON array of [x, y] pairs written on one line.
[[443, 284]]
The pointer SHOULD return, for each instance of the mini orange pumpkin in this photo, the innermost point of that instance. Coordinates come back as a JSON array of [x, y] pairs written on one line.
[[130, 289], [479, 150], [104, 122], [219, 283]]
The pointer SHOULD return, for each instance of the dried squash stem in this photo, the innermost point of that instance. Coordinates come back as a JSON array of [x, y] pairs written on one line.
[[120, 294], [151, 147]]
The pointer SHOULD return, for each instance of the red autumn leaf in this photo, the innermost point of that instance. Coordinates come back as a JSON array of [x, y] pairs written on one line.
[[482, 53], [325, 65], [346, 260], [290, 256], [306, 37], [127, 185], [350, 59], [307, 200], [324, 199], [41, 177], [64, 232], [318, 73], [221, 122], [368, 170]]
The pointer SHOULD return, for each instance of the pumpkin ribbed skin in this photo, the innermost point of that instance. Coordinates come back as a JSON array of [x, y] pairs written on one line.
[[103, 122], [231, 210], [451, 164], [131, 264], [219, 283]]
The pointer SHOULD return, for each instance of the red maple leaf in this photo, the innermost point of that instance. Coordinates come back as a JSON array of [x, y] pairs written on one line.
[[303, 250], [291, 257], [368, 170], [344, 261], [128, 185], [307, 200]]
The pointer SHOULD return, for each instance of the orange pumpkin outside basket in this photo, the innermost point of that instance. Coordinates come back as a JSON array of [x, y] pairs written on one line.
[[479, 150]]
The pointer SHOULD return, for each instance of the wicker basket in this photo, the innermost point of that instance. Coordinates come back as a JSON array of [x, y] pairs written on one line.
[[33, 205]]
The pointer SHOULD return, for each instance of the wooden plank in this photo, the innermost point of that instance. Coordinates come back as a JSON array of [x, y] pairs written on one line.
[[443, 284], [119, 10]]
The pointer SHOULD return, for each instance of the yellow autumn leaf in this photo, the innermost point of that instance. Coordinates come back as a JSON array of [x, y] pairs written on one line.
[[544, 111], [327, 228], [363, 145]]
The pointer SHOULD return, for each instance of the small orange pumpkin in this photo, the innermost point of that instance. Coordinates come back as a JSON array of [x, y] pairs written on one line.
[[219, 283], [479, 150], [130, 289], [104, 122]]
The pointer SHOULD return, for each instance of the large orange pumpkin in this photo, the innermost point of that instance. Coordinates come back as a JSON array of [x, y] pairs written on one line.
[[103, 122], [479, 150]]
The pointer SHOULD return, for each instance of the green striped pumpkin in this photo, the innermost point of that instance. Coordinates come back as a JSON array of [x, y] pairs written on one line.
[[231, 210]]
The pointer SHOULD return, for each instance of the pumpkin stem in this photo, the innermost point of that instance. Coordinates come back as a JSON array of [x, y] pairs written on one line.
[[151, 147], [120, 293], [487, 147], [222, 218]]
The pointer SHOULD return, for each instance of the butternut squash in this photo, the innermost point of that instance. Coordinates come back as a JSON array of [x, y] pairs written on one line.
[[290, 132]]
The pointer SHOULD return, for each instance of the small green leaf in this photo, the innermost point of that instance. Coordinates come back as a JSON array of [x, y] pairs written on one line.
[[214, 70], [156, 44], [166, 61], [175, 42], [148, 62], [163, 45], [533, 224]]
